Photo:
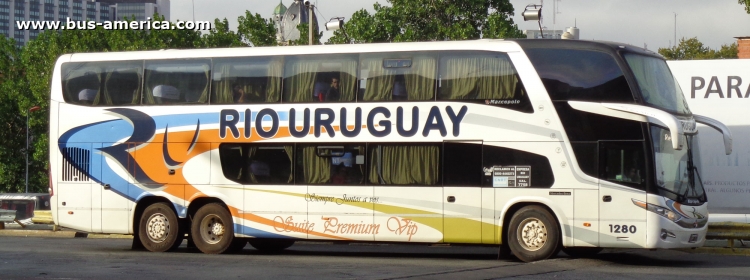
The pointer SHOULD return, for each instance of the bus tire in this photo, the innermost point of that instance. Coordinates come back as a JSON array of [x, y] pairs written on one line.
[[533, 234], [213, 229], [582, 252], [270, 245], [159, 228]]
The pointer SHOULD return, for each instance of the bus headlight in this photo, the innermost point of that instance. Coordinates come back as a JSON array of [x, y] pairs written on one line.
[[664, 212]]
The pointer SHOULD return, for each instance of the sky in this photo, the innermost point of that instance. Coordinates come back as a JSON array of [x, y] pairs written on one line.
[[649, 23]]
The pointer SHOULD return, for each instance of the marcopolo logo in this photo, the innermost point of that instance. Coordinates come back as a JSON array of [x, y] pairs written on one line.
[[379, 122], [716, 89]]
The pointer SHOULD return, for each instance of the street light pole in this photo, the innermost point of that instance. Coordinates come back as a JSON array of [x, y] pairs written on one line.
[[32, 109], [310, 23]]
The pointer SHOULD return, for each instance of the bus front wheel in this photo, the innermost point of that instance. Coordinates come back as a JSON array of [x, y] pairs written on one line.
[[159, 228], [533, 234], [212, 229]]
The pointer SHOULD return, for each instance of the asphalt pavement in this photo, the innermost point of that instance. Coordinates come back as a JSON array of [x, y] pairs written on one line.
[[46, 230]]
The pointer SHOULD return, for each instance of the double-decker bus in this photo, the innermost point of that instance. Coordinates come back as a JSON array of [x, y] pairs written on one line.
[[531, 145]]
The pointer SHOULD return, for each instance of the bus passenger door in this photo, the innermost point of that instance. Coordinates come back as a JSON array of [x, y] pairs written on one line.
[[463, 195], [74, 187], [110, 200], [622, 180]]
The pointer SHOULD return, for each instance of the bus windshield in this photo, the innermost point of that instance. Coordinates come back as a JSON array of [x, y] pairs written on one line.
[[658, 87], [674, 168]]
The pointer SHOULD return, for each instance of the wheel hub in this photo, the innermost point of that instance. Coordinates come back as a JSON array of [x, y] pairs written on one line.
[[533, 234], [157, 227], [212, 229]]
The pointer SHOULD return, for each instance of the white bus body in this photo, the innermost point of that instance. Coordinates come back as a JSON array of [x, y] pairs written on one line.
[[485, 156]]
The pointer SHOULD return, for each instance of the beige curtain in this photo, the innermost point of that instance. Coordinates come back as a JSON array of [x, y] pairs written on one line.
[[204, 94], [348, 80], [498, 79], [223, 88], [290, 153], [420, 81], [379, 83], [119, 86], [148, 98], [102, 96], [273, 86], [299, 86], [138, 90], [460, 78], [404, 165], [316, 170]]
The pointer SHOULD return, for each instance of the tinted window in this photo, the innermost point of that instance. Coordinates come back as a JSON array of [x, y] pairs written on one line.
[[102, 83], [177, 81], [320, 78], [404, 164], [623, 162], [508, 168], [587, 155], [658, 87], [330, 165], [583, 126], [257, 164], [246, 80], [397, 76], [485, 77], [582, 75], [462, 164]]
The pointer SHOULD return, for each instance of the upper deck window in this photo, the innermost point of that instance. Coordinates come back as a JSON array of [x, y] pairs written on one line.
[[658, 87], [397, 76], [246, 80], [177, 81], [486, 77], [581, 75], [320, 78], [102, 83]]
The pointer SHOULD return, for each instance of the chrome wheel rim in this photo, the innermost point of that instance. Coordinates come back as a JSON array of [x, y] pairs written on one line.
[[212, 229], [532, 234], [157, 228]]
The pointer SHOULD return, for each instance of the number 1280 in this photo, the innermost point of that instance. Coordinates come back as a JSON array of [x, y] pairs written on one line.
[[622, 228]]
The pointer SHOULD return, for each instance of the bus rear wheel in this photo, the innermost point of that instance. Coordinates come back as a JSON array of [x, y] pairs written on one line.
[[533, 234], [212, 229], [159, 228], [271, 245]]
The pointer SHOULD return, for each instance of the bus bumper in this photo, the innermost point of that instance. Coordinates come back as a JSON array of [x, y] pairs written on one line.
[[665, 234]]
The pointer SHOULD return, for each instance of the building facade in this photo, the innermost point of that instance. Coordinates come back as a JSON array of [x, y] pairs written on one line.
[[12, 11], [286, 21]]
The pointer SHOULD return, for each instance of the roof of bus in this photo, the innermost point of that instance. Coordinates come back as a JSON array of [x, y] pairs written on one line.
[[489, 45], [484, 44], [581, 44]]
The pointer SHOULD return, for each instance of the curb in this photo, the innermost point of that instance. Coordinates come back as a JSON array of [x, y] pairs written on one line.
[[719, 251]]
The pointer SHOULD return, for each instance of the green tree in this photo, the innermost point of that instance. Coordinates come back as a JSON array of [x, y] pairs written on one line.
[[221, 37], [304, 38], [255, 30], [692, 48], [746, 3], [12, 134], [431, 20]]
